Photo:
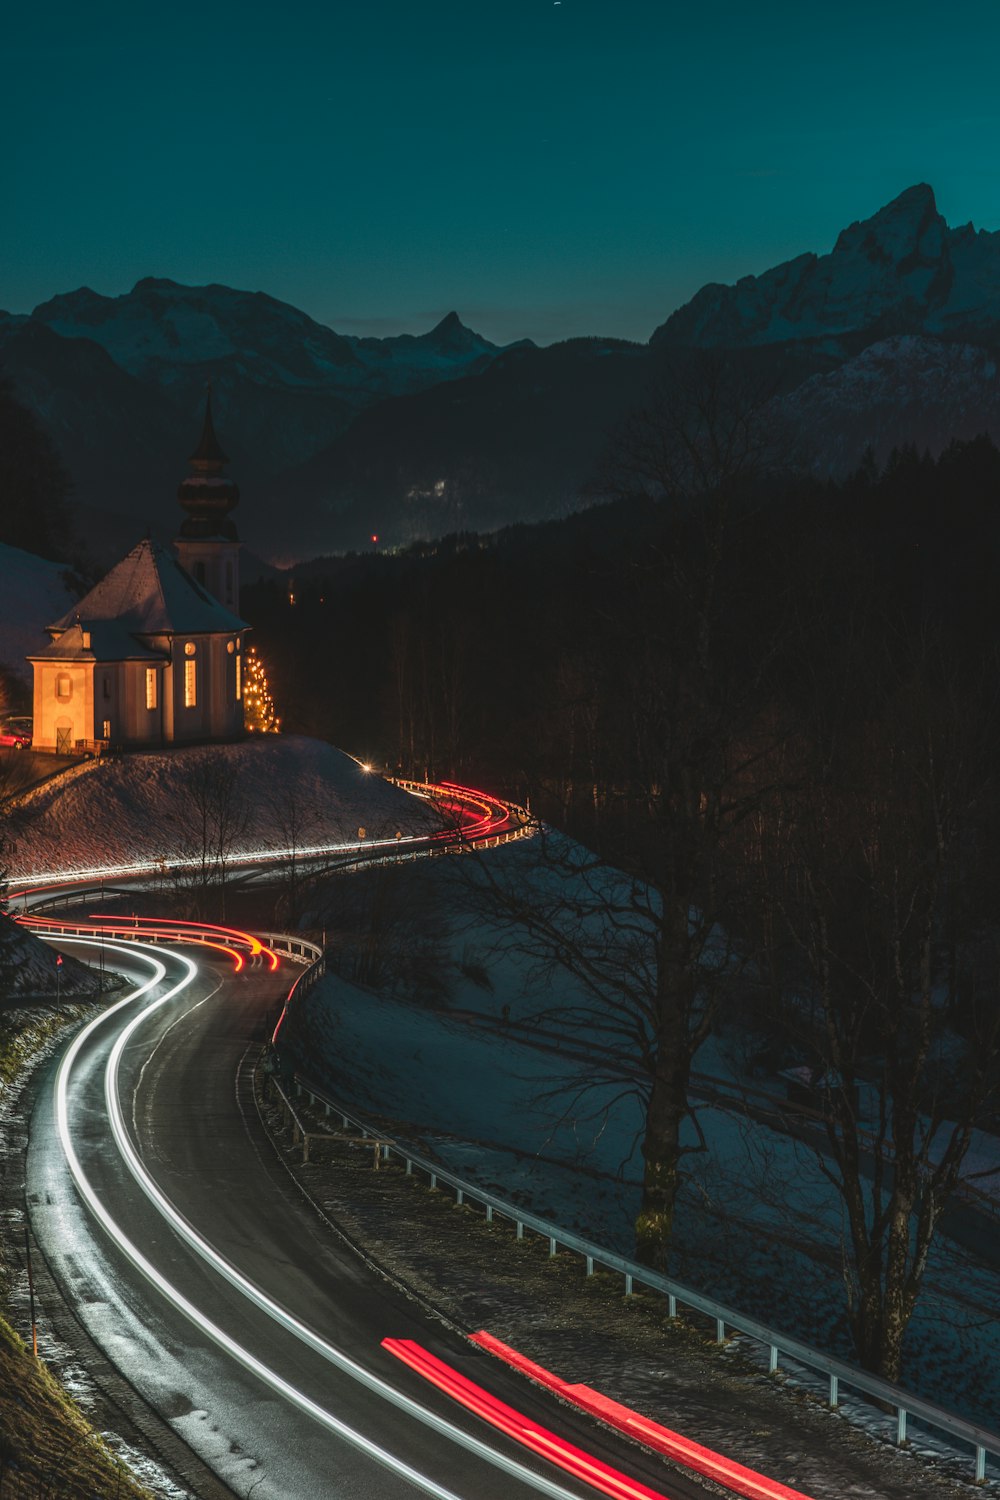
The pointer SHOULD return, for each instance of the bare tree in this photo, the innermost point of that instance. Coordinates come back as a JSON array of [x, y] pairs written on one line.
[[664, 741], [217, 819], [877, 877]]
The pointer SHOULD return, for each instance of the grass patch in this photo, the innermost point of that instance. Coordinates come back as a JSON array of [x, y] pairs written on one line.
[[47, 1447]]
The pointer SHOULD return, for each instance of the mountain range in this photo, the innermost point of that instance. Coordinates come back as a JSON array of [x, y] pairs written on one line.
[[891, 337]]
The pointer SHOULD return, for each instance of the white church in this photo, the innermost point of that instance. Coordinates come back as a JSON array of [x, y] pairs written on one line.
[[153, 655]]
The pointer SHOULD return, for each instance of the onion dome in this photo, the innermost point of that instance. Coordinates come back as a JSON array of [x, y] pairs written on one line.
[[207, 495]]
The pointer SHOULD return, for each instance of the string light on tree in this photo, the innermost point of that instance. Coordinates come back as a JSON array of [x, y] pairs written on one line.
[[258, 705]]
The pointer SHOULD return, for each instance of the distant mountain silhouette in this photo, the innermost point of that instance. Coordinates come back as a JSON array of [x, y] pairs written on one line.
[[889, 338]]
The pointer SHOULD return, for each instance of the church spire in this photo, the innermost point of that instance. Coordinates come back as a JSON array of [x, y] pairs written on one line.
[[208, 457], [207, 495]]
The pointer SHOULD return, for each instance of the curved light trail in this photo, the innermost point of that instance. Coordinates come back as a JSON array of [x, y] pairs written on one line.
[[539, 1483], [491, 818]]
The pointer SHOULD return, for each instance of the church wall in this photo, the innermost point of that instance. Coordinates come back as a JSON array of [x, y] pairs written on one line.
[[63, 704], [215, 565], [142, 725]]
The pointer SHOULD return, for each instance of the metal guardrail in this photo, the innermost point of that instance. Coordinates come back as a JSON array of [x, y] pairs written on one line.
[[837, 1372]]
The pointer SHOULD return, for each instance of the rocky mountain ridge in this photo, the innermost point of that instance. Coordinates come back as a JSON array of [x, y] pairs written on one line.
[[901, 271], [888, 338]]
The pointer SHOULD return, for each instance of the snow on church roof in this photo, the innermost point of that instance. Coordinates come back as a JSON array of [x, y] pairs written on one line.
[[97, 640], [149, 593]]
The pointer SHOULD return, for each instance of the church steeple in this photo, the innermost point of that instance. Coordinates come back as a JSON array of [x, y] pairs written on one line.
[[208, 545], [208, 457], [207, 495]]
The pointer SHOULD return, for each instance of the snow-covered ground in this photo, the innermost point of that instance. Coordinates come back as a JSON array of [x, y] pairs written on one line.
[[759, 1226], [287, 792], [28, 970], [478, 1082]]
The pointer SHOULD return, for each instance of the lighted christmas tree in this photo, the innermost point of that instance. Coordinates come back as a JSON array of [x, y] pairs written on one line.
[[259, 716]]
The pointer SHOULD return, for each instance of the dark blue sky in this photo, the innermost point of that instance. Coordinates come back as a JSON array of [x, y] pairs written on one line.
[[544, 168]]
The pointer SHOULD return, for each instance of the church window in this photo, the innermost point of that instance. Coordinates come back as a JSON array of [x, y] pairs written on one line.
[[106, 735], [189, 648], [190, 684], [150, 687], [239, 678], [64, 686]]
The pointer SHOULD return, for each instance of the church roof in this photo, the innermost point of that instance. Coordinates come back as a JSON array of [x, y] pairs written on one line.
[[106, 640], [149, 593]]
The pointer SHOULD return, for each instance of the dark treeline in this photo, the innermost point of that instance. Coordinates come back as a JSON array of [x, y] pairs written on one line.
[[772, 705], [506, 657]]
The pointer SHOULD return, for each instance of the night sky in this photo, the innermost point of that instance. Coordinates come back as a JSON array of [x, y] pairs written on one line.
[[544, 168]]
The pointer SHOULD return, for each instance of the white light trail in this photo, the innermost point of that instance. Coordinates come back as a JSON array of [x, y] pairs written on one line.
[[224, 1268]]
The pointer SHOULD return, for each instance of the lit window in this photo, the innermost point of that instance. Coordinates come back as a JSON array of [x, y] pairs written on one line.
[[64, 686], [190, 684], [230, 647], [189, 648], [150, 687], [239, 678], [107, 730]]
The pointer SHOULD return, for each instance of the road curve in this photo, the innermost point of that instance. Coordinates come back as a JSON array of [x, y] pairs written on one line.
[[268, 1410]]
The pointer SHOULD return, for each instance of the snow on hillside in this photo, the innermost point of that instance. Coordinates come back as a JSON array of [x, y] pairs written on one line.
[[34, 593], [28, 970], [899, 390], [145, 809], [487, 1081]]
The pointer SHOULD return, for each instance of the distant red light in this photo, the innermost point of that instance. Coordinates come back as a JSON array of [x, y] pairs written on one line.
[[374, 537]]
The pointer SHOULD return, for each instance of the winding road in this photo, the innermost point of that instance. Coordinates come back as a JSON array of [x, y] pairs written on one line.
[[225, 1299]]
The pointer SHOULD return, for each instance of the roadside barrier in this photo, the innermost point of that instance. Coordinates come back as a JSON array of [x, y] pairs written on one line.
[[836, 1374]]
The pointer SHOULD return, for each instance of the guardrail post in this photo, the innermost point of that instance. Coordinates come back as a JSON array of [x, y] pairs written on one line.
[[409, 1167], [552, 1247], [628, 1286], [900, 1426], [519, 1227], [720, 1331], [489, 1213], [834, 1391], [590, 1265], [459, 1197], [434, 1181], [773, 1361], [671, 1306], [980, 1465]]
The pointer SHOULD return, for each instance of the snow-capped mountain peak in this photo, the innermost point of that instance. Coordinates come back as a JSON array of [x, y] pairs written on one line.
[[900, 271]]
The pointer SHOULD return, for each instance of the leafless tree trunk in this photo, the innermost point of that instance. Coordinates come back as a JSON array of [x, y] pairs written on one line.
[[870, 866]]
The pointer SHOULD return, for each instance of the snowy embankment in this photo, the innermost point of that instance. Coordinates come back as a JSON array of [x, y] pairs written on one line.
[[264, 796], [491, 1092], [29, 970]]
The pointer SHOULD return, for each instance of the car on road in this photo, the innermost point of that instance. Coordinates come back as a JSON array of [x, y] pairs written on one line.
[[16, 734]]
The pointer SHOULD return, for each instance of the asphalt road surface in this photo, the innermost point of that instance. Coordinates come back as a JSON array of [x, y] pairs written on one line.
[[276, 1412]]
